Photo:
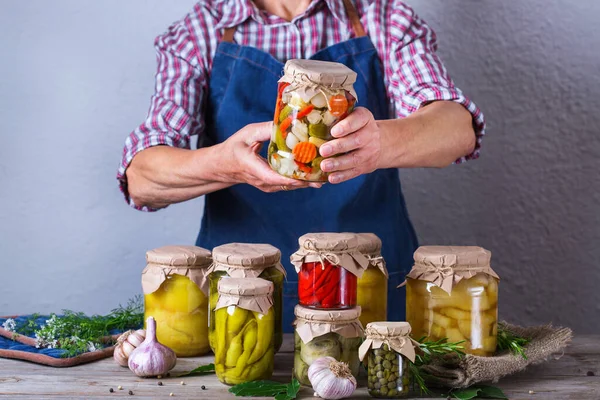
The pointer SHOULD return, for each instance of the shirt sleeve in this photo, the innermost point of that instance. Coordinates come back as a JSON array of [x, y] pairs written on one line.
[[417, 75], [175, 113]]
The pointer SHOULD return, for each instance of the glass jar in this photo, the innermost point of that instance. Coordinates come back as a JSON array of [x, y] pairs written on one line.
[[373, 284], [388, 349], [244, 330], [452, 292], [321, 333], [328, 266], [249, 260], [312, 97], [175, 285]]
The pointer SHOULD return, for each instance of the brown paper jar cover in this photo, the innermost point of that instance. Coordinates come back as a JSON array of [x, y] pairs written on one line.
[[190, 261], [340, 249], [369, 245], [309, 77], [245, 260], [446, 266], [312, 323], [254, 294], [396, 335]]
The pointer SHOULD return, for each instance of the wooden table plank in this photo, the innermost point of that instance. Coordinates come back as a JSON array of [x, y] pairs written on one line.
[[564, 378]]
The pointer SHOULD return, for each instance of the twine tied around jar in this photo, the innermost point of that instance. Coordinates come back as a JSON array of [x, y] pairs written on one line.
[[396, 335], [331, 256]]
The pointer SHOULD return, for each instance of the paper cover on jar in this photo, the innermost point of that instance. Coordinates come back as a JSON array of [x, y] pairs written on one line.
[[309, 77], [396, 335], [311, 323], [189, 261], [253, 294], [245, 260], [340, 249], [446, 266], [369, 245]]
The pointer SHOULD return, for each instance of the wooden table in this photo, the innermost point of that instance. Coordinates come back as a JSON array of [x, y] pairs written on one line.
[[565, 378]]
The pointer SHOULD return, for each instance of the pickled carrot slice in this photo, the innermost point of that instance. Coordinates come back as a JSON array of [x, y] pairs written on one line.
[[305, 152], [338, 105]]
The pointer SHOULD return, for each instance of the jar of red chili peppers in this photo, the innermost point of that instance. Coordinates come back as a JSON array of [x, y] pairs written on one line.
[[328, 266], [312, 97]]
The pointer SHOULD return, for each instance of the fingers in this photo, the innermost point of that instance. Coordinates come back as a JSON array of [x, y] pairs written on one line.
[[343, 176], [258, 133], [353, 122], [262, 175], [345, 144]]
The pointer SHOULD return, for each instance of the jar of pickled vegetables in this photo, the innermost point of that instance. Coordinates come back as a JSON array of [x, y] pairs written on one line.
[[452, 292], [373, 284], [321, 333], [249, 260], [244, 330], [175, 285], [328, 266], [312, 97], [388, 349]]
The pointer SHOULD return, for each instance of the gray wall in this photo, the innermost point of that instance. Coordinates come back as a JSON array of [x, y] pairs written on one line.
[[76, 77]]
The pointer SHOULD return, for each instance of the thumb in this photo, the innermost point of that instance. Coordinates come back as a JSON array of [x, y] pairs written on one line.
[[260, 132]]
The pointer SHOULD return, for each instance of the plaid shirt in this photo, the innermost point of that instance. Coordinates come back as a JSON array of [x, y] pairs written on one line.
[[414, 74]]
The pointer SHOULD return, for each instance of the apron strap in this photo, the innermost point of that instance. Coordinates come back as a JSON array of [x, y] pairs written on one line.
[[357, 26]]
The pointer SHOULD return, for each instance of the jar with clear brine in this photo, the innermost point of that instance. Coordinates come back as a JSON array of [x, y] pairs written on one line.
[[321, 333], [373, 284], [328, 266], [387, 351], [452, 292], [175, 285], [312, 97], [244, 330], [249, 260]]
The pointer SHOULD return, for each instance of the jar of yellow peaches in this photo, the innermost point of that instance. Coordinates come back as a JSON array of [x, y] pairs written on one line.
[[244, 330], [373, 284], [248, 260], [452, 293], [175, 286], [312, 97]]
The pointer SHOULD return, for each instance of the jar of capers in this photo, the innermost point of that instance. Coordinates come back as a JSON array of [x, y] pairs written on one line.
[[388, 349]]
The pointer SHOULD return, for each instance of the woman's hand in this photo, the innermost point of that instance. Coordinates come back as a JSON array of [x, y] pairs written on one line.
[[241, 162], [358, 144]]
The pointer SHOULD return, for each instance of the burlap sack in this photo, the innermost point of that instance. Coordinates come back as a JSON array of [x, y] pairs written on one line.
[[456, 372]]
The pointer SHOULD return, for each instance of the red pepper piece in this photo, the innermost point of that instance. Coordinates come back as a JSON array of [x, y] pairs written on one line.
[[305, 111], [304, 167]]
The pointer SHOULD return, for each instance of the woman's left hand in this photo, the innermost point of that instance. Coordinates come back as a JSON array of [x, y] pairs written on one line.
[[357, 144]]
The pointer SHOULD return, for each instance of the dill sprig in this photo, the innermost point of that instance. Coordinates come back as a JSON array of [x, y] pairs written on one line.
[[430, 350], [509, 341]]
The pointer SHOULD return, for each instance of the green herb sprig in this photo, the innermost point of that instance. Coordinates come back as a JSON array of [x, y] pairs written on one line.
[[429, 350], [509, 341], [201, 370], [279, 391]]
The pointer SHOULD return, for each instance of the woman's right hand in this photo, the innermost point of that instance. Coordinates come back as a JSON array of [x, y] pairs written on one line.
[[241, 162]]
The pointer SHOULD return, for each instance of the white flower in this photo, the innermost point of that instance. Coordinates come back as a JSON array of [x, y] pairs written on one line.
[[10, 325], [92, 346]]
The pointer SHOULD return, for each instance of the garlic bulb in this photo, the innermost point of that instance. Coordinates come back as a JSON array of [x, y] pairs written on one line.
[[126, 343], [151, 358], [331, 379]]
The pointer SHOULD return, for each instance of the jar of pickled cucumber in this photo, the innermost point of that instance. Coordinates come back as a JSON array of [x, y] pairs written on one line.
[[328, 266], [175, 285], [452, 292], [388, 349], [321, 333], [312, 97], [244, 330], [249, 260], [373, 284]]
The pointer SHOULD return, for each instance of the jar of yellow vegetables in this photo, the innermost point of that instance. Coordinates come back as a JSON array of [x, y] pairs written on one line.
[[373, 284], [248, 260], [175, 286], [452, 292], [244, 330]]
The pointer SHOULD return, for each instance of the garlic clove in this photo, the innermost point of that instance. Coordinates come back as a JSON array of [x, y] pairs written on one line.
[[126, 343], [151, 358]]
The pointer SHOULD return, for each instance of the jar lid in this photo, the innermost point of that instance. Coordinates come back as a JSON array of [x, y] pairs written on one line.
[[331, 74], [245, 286], [396, 335], [342, 242], [368, 243], [246, 255], [180, 256], [309, 314], [453, 256]]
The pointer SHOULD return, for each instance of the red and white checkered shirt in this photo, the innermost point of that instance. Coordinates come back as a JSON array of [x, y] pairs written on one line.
[[414, 74]]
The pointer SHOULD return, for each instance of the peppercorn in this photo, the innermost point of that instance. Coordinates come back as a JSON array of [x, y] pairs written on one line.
[[590, 373], [203, 387], [131, 393], [160, 384], [120, 387], [111, 390]]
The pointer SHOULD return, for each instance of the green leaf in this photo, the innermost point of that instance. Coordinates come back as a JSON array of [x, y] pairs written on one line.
[[292, 389], [283, 396], [491, 392], [259, 389], [466, 394], [201, 370]]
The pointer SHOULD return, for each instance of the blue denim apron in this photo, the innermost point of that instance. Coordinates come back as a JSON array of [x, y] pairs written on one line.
[[243, 90]]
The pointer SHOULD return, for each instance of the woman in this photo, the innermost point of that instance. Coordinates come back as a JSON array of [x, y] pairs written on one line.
[[217, 79]]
